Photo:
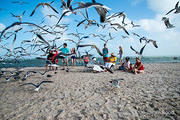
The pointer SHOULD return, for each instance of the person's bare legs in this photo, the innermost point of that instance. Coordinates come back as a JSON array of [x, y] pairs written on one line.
[[63, 62], [138, 71]]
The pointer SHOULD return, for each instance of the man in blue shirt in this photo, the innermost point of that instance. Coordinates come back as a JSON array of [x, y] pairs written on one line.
[[105, 54], [65, 50]]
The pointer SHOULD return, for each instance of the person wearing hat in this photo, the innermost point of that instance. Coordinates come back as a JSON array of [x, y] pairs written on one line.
[[112, 58], [111, 61], [138, 67]]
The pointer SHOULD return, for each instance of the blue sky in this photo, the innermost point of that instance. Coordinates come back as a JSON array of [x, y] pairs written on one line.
[[147, 13]]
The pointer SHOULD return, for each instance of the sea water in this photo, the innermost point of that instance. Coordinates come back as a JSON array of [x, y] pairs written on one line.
[[42, 63]]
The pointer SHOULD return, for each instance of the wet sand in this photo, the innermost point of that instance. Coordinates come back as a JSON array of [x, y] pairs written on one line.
[[82, 94]]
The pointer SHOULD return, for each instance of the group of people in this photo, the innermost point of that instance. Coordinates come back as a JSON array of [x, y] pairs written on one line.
[[53, 55], [109, 61], [126, 65]]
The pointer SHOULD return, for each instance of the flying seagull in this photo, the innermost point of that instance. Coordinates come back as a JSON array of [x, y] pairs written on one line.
[[141, 51], [135, 34], [93, 46], [167, 22], [19, 16], [37, 86], [44, 4], [19, 23], [177, 9], [120, 27], [83, 5], [133, 25]]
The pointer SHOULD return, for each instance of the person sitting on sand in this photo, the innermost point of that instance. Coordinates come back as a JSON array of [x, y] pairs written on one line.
[[49, 60], [126, 65], [138, 67], [131, 68], [112, 61], [65, 50]]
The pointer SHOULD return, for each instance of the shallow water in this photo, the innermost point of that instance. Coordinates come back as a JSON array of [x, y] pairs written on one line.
[[41, 63]]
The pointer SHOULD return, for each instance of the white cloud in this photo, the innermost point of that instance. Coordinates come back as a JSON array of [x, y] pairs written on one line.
[[154, 28], [161, 6]]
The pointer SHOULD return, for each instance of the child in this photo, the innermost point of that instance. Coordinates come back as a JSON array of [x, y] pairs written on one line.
[[73, 56], [138, 67], [126, 65]]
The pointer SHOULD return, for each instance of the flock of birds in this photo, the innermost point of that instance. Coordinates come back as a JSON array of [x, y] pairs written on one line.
[[39, 44]]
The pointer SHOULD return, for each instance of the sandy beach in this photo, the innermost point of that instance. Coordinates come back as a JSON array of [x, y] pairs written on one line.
[[83, 95]]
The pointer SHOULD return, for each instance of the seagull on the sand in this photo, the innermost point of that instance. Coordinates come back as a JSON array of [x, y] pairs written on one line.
[[37, 86], [177, 9], [115, 83], [7, 79]]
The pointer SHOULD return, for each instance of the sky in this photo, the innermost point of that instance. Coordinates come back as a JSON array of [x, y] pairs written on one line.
[[146, 13]]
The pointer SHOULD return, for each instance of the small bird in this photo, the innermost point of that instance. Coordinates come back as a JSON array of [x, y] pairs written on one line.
[[19, 17], [115, 83], [177, 9], [141, 51], [167, 22], [7, 79], [133, 25], [37, 86], [93, 46], [44, 4], [120, 27]]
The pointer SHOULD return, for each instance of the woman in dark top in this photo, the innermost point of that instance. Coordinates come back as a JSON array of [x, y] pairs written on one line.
[[49, 59]]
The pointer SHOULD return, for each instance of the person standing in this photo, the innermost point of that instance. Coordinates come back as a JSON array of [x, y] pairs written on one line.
[[55, 61], [121, 54], [65, 51], [73, 57], [105, 54], [49, 60]]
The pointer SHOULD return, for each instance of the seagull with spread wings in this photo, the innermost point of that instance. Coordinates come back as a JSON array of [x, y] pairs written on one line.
[[37, 86], [93, 46], [137, 52], [120, 27], [19, 16], [177, 9], [44, 4]]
